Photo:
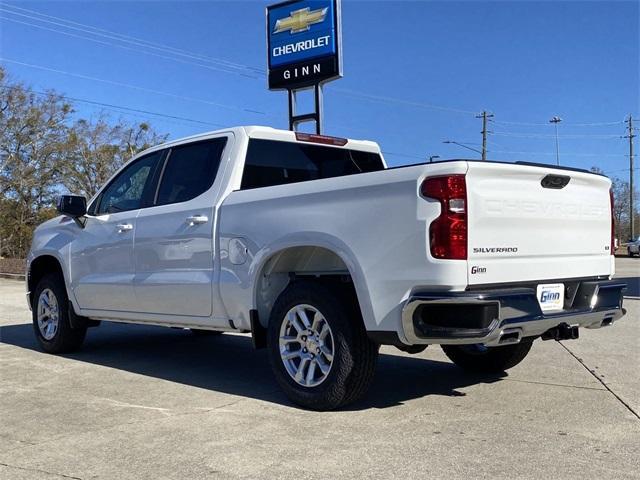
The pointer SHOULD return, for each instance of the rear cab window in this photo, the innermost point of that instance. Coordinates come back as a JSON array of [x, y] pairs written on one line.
[[272, 162]]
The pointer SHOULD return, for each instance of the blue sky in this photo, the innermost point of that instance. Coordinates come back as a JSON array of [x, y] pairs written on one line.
[[415, 73]]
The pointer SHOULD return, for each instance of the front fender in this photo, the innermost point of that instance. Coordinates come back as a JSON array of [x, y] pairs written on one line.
[[53, 238]]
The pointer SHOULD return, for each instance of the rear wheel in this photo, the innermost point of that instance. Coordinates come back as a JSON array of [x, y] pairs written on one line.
[[481, 359], [318, 348], [51, 322]]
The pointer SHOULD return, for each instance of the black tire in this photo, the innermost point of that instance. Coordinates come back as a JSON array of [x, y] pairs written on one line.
[[66, 339], [478, 359], [205, 333], [355, 356]]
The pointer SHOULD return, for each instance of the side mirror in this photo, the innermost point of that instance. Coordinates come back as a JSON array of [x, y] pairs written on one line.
[[73, 206]]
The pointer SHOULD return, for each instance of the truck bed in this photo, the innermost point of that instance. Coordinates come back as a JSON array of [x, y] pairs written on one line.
[[378, 223]]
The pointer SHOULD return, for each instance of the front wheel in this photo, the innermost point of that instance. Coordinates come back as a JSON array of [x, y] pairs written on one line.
[[481, 359], [318, 347], [51, 322]]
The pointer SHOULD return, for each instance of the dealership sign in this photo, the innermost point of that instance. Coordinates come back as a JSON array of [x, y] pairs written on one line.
[[303, 38]]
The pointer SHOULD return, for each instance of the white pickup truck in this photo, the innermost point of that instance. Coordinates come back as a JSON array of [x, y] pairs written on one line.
[[323, 253]]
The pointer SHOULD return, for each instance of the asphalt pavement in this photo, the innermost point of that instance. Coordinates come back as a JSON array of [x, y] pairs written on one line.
[[143, 402]]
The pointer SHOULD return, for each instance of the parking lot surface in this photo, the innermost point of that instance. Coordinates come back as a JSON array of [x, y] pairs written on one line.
[[154, 403]]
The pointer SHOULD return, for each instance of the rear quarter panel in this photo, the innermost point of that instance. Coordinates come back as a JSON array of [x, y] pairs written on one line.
[[376, 222]]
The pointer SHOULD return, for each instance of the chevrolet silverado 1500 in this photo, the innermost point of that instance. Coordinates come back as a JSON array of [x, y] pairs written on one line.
[[323, 253]]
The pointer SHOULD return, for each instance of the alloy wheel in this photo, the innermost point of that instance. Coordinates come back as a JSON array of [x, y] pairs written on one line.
[[306, 345]]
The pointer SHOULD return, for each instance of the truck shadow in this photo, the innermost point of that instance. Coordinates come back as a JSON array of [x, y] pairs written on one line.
[[228, 364]]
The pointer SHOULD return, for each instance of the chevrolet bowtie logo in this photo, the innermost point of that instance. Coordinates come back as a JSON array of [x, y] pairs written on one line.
[[300, 20]]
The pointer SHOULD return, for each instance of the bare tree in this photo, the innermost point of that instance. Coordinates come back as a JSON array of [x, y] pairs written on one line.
[[96, 149], [43, 152], [621, 199], [33, 129]]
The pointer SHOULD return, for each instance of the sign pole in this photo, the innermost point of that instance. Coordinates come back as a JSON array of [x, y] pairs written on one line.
[[292, 108], [318, 95], [315, 116]]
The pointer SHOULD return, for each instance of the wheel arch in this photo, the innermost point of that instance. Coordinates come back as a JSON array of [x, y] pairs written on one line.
[[41, 266], [286, 263]]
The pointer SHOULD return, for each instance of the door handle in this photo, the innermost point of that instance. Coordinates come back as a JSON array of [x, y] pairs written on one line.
[[124, 227], [197, 220]]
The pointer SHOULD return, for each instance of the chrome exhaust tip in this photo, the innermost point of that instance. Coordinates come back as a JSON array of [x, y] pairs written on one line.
[[510, 336]]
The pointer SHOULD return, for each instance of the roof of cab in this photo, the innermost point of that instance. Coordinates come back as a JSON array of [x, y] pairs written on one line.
[[266, 133], [269, 133]]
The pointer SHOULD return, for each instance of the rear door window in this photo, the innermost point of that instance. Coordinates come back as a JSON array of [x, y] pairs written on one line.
[[190, 170], [271, 162]]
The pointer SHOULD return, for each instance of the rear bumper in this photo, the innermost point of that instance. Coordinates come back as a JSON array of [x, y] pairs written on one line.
[[502, 316]]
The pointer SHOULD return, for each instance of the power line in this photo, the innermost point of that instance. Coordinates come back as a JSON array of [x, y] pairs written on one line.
[[173, 51], [399, 101], [136, 87], [209, 67], [216, 64], [403, 155], [86, 77], [124, 38], [544, 135], [481, 152], [553, 153], [112, 106], [221, 68], [520, 153], [527, 124], [119, 108], [614, 171]]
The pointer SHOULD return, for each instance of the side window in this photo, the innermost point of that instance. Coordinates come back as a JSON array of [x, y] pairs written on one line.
[[128, 190], [190, 171], [271, 162]]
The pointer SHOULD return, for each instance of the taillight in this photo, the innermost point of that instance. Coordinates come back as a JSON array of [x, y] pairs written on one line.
[[613, 225], [448, 232]]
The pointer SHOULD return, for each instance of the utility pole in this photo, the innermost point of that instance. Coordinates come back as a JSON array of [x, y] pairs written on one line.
[[484, 116], [556, 120], [630, 135]]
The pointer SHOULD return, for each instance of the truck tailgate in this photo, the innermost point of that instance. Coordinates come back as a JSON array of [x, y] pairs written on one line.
[[520, 230]]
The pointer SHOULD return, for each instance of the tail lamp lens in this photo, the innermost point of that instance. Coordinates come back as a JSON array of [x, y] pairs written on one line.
[[448, 232]]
